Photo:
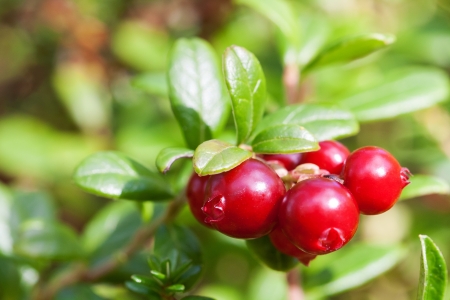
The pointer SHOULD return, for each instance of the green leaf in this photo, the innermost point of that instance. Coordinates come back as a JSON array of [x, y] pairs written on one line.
[[215, 156], [281, 13], [152, 83], [47, 240], [286, 138], [110, 229], [196, 298], [315, 30], [350, 49], [264, 250], [422, 185], [10, 279], [30, 205], [403, 92], [433, 271], [168, 156], [247, 86], [179, 245], [112, 174], [197, 92], [348, 268], [147, 281], [177, 288], [142, 289], [324, 122]]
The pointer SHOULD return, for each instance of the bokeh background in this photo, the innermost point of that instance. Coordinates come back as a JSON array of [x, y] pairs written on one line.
[[81, 76]]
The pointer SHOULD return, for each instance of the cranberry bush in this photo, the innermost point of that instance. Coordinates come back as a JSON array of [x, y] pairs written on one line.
[[248, 175]]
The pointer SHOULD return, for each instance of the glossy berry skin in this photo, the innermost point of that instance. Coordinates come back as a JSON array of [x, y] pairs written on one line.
[[243, 202], [375, 178], [319, 215], [195, 193], [330, 157], [288, 161], [284, 245]]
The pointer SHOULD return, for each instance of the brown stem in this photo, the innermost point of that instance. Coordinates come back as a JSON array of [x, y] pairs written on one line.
[[79, 272], [291, 79], [295, 291]]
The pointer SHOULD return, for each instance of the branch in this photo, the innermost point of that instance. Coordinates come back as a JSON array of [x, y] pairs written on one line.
[[291, 79], [295, 291], [79, 272]]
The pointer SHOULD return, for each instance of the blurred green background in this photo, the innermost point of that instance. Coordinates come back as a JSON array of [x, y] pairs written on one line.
[[80, 76]]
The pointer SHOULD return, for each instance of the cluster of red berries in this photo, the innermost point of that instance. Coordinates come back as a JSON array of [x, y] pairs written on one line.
[[318, 214]]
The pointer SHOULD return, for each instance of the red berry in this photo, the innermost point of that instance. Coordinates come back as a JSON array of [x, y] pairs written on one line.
[[375, 178], [243, 202], [288, 161], [319, 215], [330, 157], [284, 245], [195, 193]]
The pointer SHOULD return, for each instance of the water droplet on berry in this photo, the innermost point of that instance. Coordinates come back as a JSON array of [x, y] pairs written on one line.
[[214, 209]]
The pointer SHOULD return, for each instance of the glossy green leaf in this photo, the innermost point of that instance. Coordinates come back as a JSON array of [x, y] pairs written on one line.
[[168, 156], [112, 174], [348, 268], [264, 250], [422, 185], [281, 13], [433, 271], [286, 138], [350, 49], [47, 240], [196, 298], [147, 281], [324, 122], [247, 86], [197, 91], [111, 228], [215, 156], [402, 92], [152, 83]]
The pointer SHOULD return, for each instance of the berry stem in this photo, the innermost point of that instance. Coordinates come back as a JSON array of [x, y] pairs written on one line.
[[295, 291]]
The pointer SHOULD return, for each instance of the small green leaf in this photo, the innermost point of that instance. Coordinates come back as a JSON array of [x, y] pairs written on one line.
[[178, 245], [176, 288], [350, 49], [142, 289], [112, 174], [324, 122], [433, 271], [152, 83], [422, 185], [247, 86], [264, 250], [215, 156], [148, 282], [286, 138], [197, 91], [158, 275], [168, 156], [47, 240], [350, 267], [402, 92], [196, 298]]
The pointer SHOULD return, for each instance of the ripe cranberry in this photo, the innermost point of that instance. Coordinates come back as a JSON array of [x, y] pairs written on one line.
[[195, 193], [375, 179], [243, 202], [288, 161], [284, 245], [319, 215], [330, 157]]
